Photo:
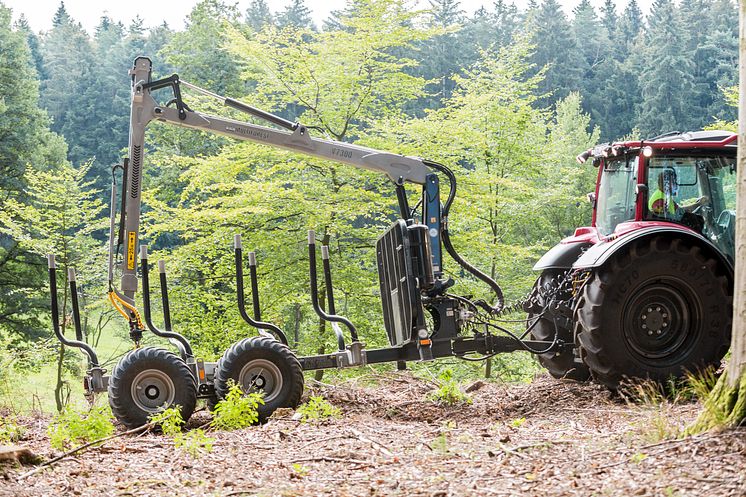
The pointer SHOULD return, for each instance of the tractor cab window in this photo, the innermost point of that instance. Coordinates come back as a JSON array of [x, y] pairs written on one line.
[[698, 191], [616, 193]]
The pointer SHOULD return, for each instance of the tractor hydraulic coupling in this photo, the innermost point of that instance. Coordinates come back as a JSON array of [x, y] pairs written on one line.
[[347, 356]]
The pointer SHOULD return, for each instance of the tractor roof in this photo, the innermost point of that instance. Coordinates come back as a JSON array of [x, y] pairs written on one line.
[[694, 136], [713, 139]]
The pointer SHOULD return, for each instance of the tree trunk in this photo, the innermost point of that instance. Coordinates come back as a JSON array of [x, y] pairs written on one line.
[[726, 404]]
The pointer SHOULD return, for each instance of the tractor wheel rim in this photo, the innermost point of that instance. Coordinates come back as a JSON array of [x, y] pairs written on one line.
[[261, 375], [152, 390], [661, 321]]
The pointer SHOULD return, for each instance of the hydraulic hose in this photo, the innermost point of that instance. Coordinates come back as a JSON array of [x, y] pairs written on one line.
[[452, 250]]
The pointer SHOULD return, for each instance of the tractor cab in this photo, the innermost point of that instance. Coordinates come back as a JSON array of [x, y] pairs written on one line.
[[686, 179]]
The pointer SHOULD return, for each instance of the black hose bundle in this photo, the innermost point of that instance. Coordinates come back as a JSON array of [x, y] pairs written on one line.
[[452, 250]]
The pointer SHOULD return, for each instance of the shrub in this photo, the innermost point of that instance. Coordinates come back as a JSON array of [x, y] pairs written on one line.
[[169, 420], [317, 408], [73, 426], [171, 424], [448, 391], [237, 410], [10, 432]]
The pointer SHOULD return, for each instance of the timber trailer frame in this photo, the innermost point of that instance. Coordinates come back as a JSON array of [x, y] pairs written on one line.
[[409, 256]]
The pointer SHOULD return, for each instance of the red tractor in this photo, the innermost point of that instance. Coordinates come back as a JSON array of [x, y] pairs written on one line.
[[646, 290]]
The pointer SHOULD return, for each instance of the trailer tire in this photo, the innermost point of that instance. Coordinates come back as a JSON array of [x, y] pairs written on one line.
[[262, 360], [562, 364], [148, 380], [657, 310]]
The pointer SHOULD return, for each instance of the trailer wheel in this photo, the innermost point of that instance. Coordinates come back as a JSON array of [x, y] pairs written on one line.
[[560, 364], [148, 380], [262, 364], [658, 310]]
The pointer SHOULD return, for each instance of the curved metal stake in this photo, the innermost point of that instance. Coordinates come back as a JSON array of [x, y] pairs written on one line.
[[330, 296], [333, 318], [185, 349], [95, 381], [256, 323]]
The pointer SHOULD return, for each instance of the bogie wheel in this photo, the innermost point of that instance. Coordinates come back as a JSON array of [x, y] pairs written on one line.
[[560, 364], [262, 364], [658, 310], [148, 380]]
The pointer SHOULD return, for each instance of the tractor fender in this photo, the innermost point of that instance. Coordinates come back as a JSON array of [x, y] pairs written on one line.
[[562, 256], [598, 254]]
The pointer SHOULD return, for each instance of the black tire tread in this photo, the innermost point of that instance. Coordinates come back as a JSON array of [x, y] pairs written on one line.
[[589, 318], [122, 406], [232, 361]]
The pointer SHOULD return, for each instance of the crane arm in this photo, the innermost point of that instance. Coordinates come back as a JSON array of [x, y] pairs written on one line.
[[295, 137]]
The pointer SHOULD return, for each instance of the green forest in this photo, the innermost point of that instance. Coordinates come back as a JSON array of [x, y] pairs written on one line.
[[505, 97]]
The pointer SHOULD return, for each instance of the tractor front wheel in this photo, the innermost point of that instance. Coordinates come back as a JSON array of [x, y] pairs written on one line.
[[657, 310]]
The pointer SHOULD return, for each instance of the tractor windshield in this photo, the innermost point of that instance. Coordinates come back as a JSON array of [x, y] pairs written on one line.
[[697, 191], [616, 193]]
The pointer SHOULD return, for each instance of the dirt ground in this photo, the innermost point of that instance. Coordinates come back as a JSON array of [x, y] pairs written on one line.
[[548, 438]]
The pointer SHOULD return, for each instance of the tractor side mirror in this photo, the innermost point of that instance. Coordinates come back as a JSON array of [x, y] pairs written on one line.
[[641, 188], [592, 199]]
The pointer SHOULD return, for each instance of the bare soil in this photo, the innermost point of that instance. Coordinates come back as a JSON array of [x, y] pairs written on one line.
[[548, 438]]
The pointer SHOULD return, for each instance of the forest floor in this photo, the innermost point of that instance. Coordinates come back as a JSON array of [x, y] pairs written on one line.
[[547, 438]]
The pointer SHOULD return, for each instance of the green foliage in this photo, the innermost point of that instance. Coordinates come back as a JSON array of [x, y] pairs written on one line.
[[77, 426], [638, 457], [193, 442], [10, 431], [517, 422], [300, 470], [448, 391], [237, 410], [343, 79], [169, 420], [316, 409], [702, 383], [440, 443]]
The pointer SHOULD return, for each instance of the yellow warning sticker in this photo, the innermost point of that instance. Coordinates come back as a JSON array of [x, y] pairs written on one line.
[[131, 250]]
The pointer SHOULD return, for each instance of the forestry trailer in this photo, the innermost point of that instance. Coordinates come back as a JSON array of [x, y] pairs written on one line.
[[626, 263]]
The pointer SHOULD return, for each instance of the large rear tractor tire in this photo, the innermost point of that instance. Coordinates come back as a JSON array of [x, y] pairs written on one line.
[[262, 364], [147, 381], [561, 364], [657, 310]]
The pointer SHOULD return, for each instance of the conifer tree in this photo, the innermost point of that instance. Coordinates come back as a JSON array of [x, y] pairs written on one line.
[[27, 144], [440, 55], [667, 76], [630, 25], [557, 50], [258, 15], [296, 15]]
